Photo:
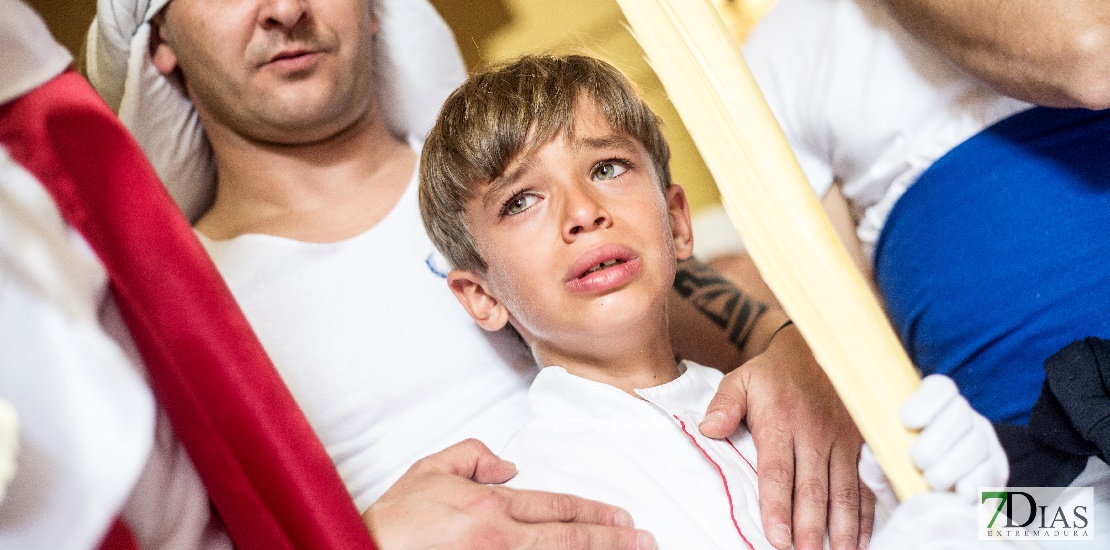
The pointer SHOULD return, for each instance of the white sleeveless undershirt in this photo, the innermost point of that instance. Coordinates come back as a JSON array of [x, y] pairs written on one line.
[[378, 353]]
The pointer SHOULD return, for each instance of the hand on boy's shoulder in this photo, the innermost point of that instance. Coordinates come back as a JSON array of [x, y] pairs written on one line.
[[808, 447], [445, 501]]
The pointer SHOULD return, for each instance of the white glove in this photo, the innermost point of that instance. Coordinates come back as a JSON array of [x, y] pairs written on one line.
[[957, 448], [938, 521]]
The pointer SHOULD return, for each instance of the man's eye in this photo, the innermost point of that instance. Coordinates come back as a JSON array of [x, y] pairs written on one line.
[[608, 170], [518, 203]]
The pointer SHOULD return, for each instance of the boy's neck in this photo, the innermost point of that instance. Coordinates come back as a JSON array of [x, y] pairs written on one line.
[[628, 360]]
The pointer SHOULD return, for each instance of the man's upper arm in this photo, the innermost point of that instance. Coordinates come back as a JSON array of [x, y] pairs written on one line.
[[1054, 53], [840, 215]]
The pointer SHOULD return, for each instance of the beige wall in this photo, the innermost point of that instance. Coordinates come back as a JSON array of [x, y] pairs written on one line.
[[68, 20], [492, 30]]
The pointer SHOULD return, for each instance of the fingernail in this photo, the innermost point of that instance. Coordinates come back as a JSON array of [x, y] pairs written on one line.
[[713, 417], [864, 542], [622, 519], [644, 541], [781, 534]]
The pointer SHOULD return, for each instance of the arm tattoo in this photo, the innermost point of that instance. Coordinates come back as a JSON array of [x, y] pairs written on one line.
[[718, 299]]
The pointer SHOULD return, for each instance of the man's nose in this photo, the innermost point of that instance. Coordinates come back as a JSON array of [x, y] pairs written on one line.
[[583, 212], [282, 14]]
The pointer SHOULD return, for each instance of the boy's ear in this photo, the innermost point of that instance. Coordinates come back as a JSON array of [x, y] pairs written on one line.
[[470, 289], [161, 55], [681, 229]]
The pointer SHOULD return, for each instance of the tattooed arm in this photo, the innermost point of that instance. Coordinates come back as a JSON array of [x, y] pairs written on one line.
[[808, 446], [713, 322]]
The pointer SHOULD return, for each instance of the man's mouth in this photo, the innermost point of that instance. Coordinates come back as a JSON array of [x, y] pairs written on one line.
[[291, 56]]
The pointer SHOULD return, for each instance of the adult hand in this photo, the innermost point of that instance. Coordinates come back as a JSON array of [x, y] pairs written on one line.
[[443, 502], [808, 446]]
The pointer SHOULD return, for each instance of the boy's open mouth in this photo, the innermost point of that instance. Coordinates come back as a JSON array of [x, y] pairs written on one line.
[[602, 265], [598, 262]]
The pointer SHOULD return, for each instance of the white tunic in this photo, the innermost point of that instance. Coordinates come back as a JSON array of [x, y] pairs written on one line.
[[86, 416], [91, 440], [380, 356], [646, 456]]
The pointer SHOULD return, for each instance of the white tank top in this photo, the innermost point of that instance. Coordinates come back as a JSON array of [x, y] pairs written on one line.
[[380, 356]]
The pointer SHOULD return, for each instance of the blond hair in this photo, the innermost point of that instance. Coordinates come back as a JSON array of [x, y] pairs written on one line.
[[511, 110]]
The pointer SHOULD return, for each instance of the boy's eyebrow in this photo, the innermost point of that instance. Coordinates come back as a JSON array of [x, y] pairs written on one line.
[[602, 142]]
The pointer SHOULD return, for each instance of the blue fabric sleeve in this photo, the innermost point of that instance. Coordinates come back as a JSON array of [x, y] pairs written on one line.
[[999, 255]]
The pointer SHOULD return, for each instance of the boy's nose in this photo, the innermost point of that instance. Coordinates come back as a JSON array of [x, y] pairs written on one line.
[[584, 213], [282, 14]]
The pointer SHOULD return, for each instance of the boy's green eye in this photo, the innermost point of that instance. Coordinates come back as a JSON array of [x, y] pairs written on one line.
[[518, 203], [608, 170]]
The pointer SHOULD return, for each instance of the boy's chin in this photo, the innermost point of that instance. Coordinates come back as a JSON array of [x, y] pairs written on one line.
[[624, 319]]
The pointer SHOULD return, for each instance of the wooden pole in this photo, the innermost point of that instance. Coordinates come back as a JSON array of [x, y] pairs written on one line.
[[781, 221]]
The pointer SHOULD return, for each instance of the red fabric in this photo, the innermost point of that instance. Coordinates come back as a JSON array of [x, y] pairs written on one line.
[[266, 472], [119, 538]]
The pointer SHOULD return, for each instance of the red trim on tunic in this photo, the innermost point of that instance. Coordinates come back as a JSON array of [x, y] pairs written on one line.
[[749, 463], [728, 493]]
